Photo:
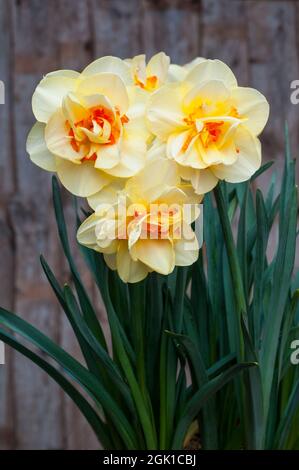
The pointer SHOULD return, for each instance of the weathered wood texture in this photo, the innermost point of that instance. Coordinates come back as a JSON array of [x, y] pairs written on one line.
[[258, 39]]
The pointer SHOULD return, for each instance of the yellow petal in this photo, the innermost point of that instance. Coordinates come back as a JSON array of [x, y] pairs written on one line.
[[83, 179], [252, 106], [151, 182], [176, 73], [109, 64], [138, 99], [215, 156], [203, 181], [128, 269], [109, 85], [138, 68], [248, 159], [108, 156], [211, 70], [132, 156], [186, 249], [192, 156], [64, 73], [158, 66], [73, 109], [88, 235], [37, 149], [49, 94], [59, 142], [164, 112], [176, 142], [213, 90], [190, 65], [107, 195], [156, 254], [86, 232], [110, 261]]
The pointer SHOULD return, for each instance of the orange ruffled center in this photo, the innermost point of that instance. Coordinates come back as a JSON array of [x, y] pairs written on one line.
[[150, 84], [209, 132], [101, 121]]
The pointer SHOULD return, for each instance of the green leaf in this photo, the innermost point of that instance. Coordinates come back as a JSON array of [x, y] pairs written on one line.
[[86, 409], [110, 368], [85, 302], [91, 383], [192, 409], [286, 421]]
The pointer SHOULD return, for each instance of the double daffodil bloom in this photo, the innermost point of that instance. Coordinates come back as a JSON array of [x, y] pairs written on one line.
[[150, 76], [145, 226], [91, 126], [210, 124]]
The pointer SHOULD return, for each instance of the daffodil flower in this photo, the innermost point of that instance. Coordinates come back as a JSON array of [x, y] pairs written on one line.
[[210, 124], [91, 126], [143, 227], [149, 76]]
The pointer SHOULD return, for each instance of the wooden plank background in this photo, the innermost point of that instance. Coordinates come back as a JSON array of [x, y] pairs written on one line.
[[259, 39]]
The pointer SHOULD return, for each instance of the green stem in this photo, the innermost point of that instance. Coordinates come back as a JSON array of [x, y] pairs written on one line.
[[179, 298], [141, 403], [231, 252], [137, 302]]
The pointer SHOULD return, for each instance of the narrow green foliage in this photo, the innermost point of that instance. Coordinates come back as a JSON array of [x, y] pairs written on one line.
[[227, 322]]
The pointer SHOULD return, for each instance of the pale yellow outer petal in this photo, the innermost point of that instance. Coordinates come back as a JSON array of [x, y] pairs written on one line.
[[58, 141], [213, 155], [153, 180], [138, 99], [110, 261], [248, 161], [128, 269], [156, 150], [190, 65], [109, 85], [186, 249], [108, 156], [107, 195], [203, 181], [211, 70], [164, 112], [176, 73], [37, 149], [138, 68], [252, 106], [109, 64], [158, 66], [213, 90], [86, 232], [132, 149], [83, 179], [73, 110], [49, 94], [64, 73], [192, 156], [158, 255]]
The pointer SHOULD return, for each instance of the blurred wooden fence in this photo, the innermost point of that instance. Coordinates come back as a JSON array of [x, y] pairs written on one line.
[[258, 39]]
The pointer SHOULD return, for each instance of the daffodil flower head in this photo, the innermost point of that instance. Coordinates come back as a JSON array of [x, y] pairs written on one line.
[[90, 128], [146, 227], [210, 124]]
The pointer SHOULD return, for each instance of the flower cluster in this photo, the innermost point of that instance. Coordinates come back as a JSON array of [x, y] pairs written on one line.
[[141, 141]]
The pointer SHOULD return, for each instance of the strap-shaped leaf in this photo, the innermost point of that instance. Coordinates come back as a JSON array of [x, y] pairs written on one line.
[[192, 409], [79, 373], [86, 409]]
